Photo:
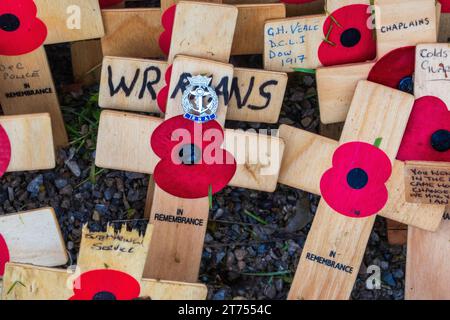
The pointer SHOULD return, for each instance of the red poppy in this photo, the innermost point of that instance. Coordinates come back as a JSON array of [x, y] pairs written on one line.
[[4, 255], [192, 160], [445, 6], [163, 94], [105, 284], [395, 69], [355, 185], [167, 19], [20, 30], [427, 135], [109, 3], [5, 151], [348, 38]]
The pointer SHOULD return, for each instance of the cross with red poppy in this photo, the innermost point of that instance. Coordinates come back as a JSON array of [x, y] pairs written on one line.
[[26, 84], [356, 182], [180, 207], [110, 266]]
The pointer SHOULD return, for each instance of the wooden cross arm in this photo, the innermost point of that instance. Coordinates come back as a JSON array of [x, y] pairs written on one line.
[[135, 32], [70, 20], [124, 144], [307, 156], [34, 237], [131, 84], [39, 283], [31, 142]]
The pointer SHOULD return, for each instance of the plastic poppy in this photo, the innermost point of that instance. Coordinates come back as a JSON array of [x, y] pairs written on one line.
[[4, 255], [5, 151], [105, 284], [20, 30], [167, 20], [163, 94], [109, 3], [192, 161], [427, 135], [355, 185], [445, 6], [395, 69], [348, 38]]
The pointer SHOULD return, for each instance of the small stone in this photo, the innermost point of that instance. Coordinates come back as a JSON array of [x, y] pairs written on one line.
[[241, 265], [219, 257], [240, 254], [389, 279], [10, 194], [279, 284], [35, 184], [297, 96], [70, 245], [219, 295], [301, 217], [74, 168], [270, 291], [384, 265], [398, 274], [60, 183], [101, 208], [96, 216], [67, 190], [306, 122]]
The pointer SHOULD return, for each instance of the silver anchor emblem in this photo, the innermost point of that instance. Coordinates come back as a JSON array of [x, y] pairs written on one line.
[[200, 100]]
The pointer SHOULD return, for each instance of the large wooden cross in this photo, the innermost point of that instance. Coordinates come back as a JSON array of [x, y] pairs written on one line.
[[110, 266], [335, 240], [26, 84], [178, 256]]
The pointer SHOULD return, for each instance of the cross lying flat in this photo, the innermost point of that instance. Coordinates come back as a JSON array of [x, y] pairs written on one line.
[[101, 273]]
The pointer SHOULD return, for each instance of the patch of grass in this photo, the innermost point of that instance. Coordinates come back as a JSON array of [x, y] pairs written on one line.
[[254, 216]]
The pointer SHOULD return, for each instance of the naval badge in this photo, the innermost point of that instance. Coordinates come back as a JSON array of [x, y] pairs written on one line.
[[200, 100]]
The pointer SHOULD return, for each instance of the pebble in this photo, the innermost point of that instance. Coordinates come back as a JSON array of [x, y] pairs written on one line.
[[61, 183], [219, 295], [240, 254], [35, 184], [74, 168]]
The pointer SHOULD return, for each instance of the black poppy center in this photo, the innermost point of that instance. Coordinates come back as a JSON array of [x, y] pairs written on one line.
[[357, 178], [9, 22], [350, 37], [190, 154], [104, 295], [406, 84], [440, 140]]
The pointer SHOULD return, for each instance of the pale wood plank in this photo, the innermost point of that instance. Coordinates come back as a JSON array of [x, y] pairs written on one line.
[[431, 78], [31, 142], [288, 46], [34, 237], [427, 267], [335, 88], [142, 78], [414, 12], [210, 39], [272, 83], [132, 33], [57, 16], [31, 72], [249, 35], [376, 111]]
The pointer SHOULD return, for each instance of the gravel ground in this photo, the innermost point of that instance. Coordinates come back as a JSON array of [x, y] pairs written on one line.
[[254, 239]]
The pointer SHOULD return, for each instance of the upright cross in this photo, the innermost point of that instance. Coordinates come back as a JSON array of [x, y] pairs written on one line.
[[26, 84]]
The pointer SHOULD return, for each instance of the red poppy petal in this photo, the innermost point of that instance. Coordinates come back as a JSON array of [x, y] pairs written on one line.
[[22, 31], [5, 151], [353, 40], [120, 284], [4, 255], [167, 20], [109, 3], [445, 6], [429, 114], [163, 94], [393, 67], [369, 198]]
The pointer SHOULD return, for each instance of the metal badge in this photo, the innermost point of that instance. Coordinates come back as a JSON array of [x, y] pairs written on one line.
[[200, 100]]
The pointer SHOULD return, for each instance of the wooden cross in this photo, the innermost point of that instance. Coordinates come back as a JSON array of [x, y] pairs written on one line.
[[427, 174], [335, 240], [26, 84], [178, 256], [31, 237], [336, 84], [110, 266]]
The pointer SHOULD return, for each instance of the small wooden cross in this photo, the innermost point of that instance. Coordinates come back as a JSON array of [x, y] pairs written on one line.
[[178, 256], [110, 266], [26, 84]]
